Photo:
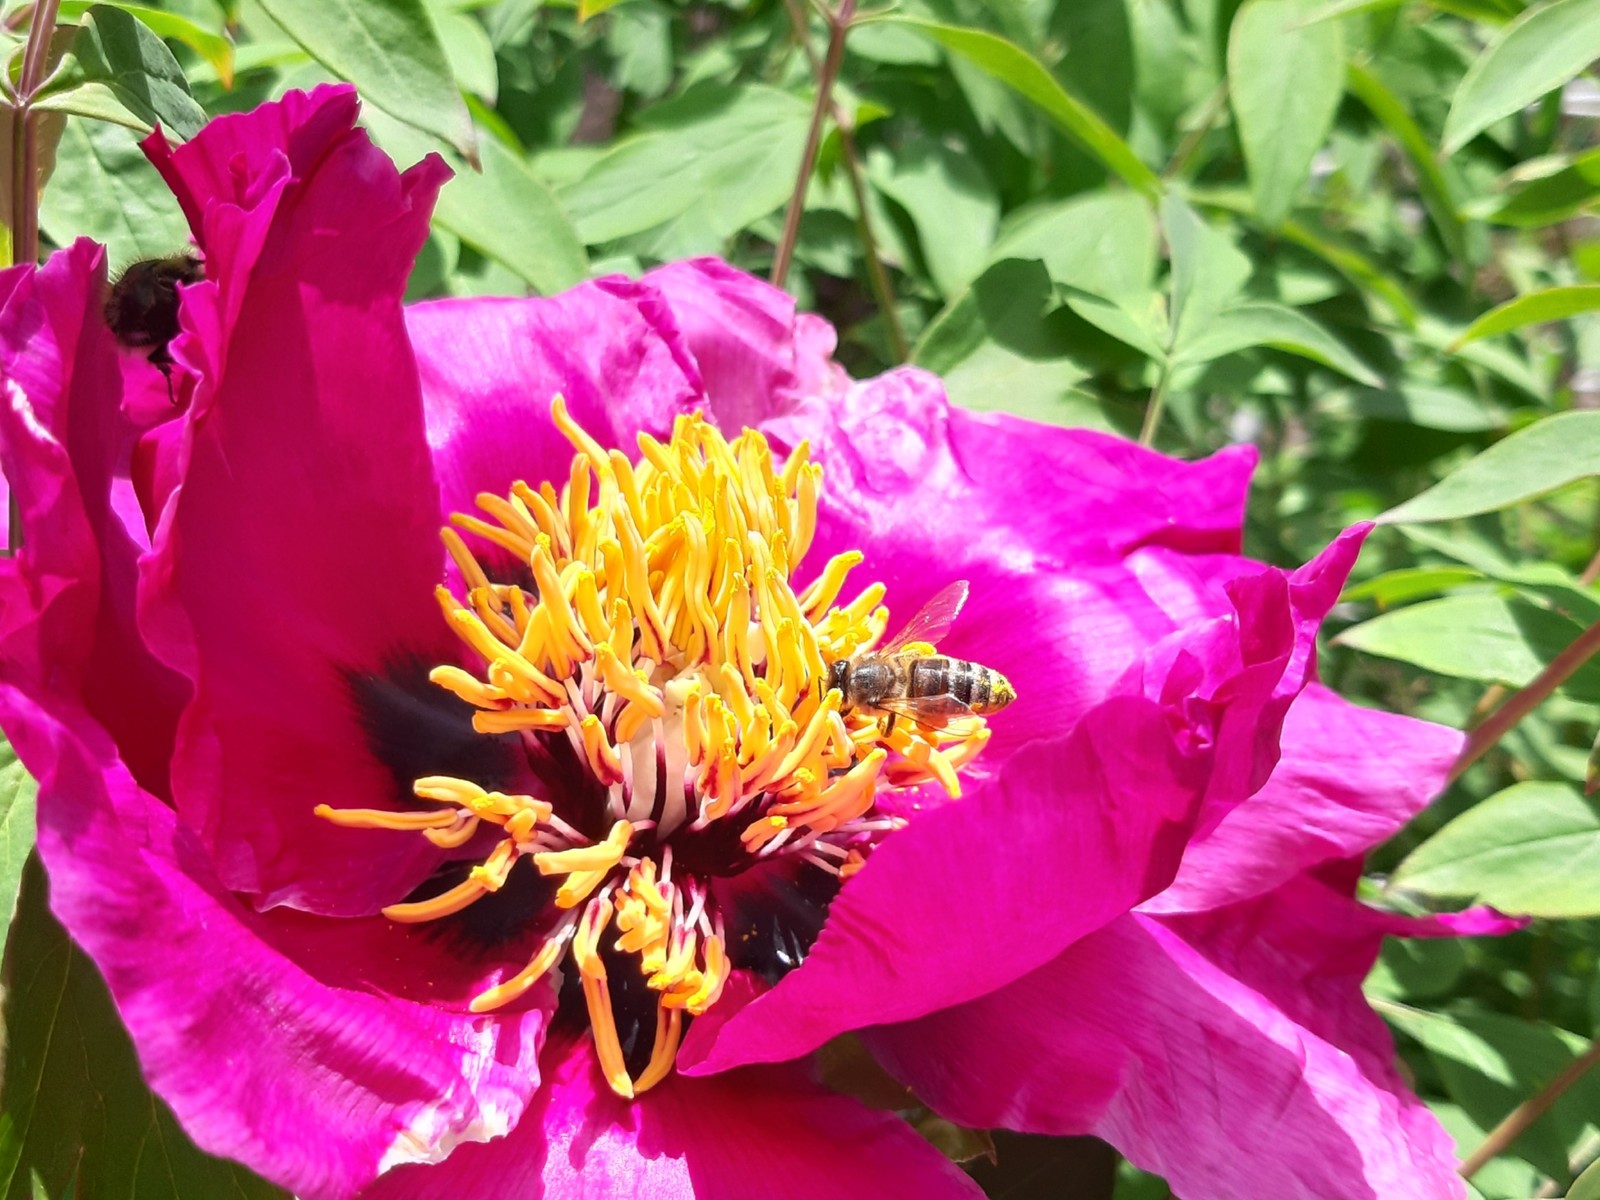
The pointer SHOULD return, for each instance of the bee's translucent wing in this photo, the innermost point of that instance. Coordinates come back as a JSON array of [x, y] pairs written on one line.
[[932, 711], [933, 620]]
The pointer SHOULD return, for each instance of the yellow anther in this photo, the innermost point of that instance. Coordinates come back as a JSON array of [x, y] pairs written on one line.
[[627, 682], [824, 589], [498, 534], [506, 991], [468, 687], [669, 1032], [455, 836], [442, 905], [585, 867], [599, 460], [372, 818], [518, 523], [471, 572], [513, 719], [492, 872], [604, 761]]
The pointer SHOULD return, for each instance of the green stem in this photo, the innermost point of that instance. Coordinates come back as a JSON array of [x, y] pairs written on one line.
[[1154, 409], [838, 26], [1530, 1110], [1526, 699]]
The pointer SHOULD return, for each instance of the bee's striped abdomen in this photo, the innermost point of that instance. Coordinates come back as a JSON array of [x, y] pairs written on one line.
[[976, 687]]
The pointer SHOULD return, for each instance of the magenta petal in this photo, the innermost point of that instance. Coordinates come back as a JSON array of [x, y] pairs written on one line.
[[317, 1087], [1091, 824], [491, 367], [298, 555], [756, 358], [1232, 1053], [763, 1132], [1348, 778], [66, 449]]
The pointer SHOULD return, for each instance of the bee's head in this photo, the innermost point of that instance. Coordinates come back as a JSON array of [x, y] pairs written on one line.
[[838, 673]]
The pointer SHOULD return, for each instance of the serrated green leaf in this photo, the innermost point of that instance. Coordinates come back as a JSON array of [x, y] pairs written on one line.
[[1029, 78], [1537, 53], [1285, 78], [391, 51], [1534, 308], [1537, 459], [1532, 849], [1486, 637], [727, 154], [115, 56], [74, 1109]]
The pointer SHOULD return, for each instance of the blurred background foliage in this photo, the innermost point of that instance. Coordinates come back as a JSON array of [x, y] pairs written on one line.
[[1360, 234]]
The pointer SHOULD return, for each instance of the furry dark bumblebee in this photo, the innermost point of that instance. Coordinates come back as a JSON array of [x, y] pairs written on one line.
[[142, 305]]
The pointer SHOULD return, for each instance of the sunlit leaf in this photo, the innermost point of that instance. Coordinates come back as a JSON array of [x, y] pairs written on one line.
[[116, 57], [105, 188], [1410, 583], [1533, 849], [390, 50], [1538, 52], [208, 44], [1260, 323], [1489, 638], [731, 154], [1020, 71], [1535, 460], [1548, 198], [17, 794], [1285, 77], [1534, 308]]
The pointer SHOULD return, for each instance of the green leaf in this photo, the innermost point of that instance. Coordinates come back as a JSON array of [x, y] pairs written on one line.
[[950, 201], [105, 188], [390, 50], [1261, 323], [74, 1110], [503, 211], [1285, 78], [729, 155], [1537, 53], [1553, 196], [1587, 1185], [1028, 77], [1486, 637], [1002, 344], [1549, 304], [1489, 1063], [1410, 583], [18, 791], [209, 45], [1208, 270], [1422, 404], [1531, 850], [1431, 181], [1537, 459], [114, 57], [1103, 243]]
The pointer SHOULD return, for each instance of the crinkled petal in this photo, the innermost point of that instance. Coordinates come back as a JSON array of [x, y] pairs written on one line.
[[1348, 778], [317, 1086], [296, 559], [763, 1132], [1192, 731], [490, 368], [1082, 828], [1231, 1052], [756, 358], [1037, 519]]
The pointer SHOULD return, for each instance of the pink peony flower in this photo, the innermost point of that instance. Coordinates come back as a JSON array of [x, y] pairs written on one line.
[[537, 860]]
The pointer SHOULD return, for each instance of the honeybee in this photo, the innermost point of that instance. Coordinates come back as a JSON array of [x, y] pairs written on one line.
[[142, 306], [904, 679]]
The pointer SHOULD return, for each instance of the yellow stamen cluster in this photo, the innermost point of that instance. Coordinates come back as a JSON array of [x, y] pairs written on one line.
[[662, 639]]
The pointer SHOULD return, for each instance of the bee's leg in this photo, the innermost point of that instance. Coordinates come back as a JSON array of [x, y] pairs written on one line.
[[888, 727]]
